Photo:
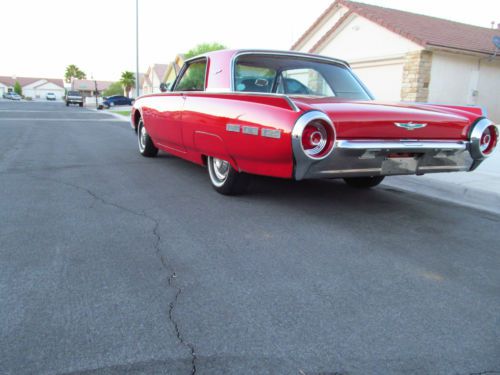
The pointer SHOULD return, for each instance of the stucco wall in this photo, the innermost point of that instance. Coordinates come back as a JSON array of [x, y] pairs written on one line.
[[321, 30], [466, 80], [361, 39]]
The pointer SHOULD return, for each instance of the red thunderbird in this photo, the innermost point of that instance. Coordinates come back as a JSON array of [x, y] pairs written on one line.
[[295, 115]]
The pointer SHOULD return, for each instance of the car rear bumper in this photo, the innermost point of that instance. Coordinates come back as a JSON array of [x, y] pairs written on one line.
[[358, 158]]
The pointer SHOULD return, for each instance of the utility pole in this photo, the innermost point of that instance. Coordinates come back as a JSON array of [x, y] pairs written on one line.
[[95, 91], [136, 48]]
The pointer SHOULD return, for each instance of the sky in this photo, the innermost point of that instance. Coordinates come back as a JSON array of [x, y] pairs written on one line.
[[40, 38]]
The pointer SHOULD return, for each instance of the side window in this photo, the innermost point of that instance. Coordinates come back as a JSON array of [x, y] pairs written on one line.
[[305, 82], [193, 78], [254, 78]]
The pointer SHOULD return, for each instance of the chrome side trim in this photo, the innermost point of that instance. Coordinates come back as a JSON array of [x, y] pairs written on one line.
[[475, 138], [271, 133], [289, 101], [233, 128], [252, 130]]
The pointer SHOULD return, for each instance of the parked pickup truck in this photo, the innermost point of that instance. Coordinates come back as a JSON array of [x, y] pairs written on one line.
[[74, 97]]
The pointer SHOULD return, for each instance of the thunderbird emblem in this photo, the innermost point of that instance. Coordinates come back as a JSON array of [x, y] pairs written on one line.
[[409, 125]]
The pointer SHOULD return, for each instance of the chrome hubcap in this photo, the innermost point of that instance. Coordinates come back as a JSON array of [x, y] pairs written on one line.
[[142, 137], [221, 169]]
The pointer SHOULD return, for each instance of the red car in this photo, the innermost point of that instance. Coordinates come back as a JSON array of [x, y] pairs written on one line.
[[299, 116]]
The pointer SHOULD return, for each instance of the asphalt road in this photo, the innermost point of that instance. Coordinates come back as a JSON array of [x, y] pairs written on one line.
[[111, 263]]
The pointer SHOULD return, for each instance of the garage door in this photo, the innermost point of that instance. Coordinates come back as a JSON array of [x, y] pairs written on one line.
[[384, 81]]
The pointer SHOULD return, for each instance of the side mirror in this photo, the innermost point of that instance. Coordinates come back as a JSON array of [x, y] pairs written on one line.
[[163, 87]]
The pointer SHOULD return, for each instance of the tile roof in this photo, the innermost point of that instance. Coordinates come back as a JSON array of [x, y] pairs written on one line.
[[424, 30], [24, 81]]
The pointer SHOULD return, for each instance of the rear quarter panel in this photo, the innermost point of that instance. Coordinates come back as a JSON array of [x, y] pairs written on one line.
[[205, 119]]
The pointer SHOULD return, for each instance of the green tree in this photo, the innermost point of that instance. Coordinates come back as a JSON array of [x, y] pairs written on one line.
[[72, 71], [17, 88], [115, 88], [128, 81], [203, 48]]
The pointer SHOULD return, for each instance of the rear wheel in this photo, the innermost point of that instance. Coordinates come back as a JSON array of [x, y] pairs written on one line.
[[225, 179], [363, 182], [146, 146], [81, 104]]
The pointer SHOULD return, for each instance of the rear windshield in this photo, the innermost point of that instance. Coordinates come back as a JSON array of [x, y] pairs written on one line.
[[292, 75], [74, 93]]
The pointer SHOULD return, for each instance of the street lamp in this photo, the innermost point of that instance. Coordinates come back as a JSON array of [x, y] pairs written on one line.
[[95, 91], [136, 48]]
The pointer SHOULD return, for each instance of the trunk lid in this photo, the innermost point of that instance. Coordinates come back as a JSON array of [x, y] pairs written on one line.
[[377, 120]]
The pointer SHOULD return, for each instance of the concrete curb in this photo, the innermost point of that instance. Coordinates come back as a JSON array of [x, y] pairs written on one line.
[[447, 191]]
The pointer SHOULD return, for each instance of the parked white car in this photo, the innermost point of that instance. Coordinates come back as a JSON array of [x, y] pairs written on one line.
[[12, 96], [50, 96]]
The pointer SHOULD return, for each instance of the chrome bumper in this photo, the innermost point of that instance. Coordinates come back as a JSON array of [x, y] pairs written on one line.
[[357, 158]]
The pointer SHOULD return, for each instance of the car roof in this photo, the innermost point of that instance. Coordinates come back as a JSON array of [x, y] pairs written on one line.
[[235, 52]]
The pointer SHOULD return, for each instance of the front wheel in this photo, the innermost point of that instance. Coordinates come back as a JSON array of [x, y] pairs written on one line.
[[363, 182], [225, 179], [146, 145]]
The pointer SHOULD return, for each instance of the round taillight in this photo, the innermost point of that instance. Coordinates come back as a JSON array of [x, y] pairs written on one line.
[[483, 139], [317, 139], [488, 140]]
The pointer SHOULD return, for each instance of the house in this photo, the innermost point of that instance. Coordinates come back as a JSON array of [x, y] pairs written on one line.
[[173, 69], [153, 78], [161, 73], [36, 88], [410, 57], [87, 87]]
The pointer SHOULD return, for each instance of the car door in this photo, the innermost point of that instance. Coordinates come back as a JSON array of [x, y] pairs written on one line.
[[171, 115]]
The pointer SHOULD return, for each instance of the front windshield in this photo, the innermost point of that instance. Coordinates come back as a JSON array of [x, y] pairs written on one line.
[[292, 75]]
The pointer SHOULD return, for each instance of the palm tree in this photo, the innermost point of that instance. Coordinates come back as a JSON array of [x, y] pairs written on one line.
[[128, 81], [72, 71]]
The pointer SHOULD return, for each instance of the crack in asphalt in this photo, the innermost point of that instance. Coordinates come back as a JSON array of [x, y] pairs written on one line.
[[485, 372], [163, 261]]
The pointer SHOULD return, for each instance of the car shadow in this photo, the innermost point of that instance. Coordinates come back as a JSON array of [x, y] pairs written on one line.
[[322, 197]]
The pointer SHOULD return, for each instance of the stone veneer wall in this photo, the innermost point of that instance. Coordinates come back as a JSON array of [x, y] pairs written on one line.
[[416, 76]]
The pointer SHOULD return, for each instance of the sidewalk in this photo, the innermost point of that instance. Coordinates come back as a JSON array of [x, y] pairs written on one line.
[[478, 189]]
